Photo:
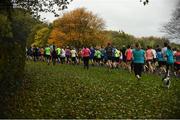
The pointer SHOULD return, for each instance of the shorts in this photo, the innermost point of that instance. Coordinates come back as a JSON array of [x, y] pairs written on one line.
[[161, 63], [48, 56], [98, 59], [109, 57], [73, 59], [116, 59]]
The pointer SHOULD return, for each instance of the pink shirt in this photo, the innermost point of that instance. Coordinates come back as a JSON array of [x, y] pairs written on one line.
[[149, 54], [86, 52]]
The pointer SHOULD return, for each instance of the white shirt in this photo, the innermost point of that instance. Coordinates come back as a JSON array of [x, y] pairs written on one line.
[[63, 53], [73, 53], [154, 53]]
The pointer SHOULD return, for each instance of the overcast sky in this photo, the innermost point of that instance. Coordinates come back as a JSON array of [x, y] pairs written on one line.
[[130, 16]]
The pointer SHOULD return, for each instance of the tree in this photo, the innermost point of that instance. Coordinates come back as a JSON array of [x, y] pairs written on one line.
[[41, 37], [172, 28], [36, 27], [78, 28], [34, 6], [14, 32]]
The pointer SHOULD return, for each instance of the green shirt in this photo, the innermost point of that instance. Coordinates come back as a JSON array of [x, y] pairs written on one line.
[[98, 53], [58, 51], [117, 53], [48, 51]]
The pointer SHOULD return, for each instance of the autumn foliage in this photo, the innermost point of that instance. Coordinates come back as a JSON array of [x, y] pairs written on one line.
[[78, 28]]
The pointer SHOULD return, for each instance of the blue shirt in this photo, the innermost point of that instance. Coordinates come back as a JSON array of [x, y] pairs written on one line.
[[92, 53], [138, 56], [160, 56], [170, 58]]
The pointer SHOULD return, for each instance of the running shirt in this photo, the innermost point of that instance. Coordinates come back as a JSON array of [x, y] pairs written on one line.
[[149, 54], [58, 51], [138, 56], [73, 53], [48, 51], [159, 56], [154, 53], [68, 52], [109, 51], [63, 53], [128, 54], [113, 52], [169, 55], [102, 52], [177, 57], [164, 51], [98, 54], [117, 53], [42, 51], [92, 53], [86, 52]]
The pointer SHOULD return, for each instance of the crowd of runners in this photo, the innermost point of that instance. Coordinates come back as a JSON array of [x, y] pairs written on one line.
[[162, 59]]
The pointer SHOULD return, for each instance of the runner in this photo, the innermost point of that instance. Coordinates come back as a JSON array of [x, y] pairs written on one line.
[[103, 56], [177, 62], [48, 54], [54, 55], [129, 55], [138, 60], [92, 55], [117, 57], [161, 61], [41, 54], [149, 58], [35, 53], [63, 55], [170, 61], [86, 53], [58, 51], [123, 50], [74, 56], [68, 54], [98, 56], [109, 53]]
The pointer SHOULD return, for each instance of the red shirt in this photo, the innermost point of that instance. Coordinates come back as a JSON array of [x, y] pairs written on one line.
[[177, 57]]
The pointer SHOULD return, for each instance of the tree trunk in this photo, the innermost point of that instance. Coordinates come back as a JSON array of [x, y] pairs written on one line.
[[12, 61]]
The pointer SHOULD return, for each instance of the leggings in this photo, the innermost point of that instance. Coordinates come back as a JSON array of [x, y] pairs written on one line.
[[138, 68], [86, 62]]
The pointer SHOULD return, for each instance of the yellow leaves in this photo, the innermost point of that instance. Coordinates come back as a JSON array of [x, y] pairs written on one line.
[[56, 37], [40, 39], [78, 28]]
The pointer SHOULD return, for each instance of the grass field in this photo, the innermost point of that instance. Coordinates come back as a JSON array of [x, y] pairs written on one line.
[[67, 91]]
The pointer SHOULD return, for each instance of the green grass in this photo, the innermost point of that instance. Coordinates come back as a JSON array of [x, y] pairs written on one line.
[[67, 91]]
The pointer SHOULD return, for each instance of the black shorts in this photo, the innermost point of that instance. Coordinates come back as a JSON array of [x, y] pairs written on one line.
[[109, 58], [176, 66], [98, 59], [161, 63], [48, 56], [116, 59], [73, 59]]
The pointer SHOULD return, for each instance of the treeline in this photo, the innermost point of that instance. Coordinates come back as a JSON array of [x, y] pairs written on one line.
[[81, 27], [120, 38]]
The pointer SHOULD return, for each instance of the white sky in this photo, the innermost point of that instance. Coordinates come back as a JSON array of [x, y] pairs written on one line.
[[130, 16]]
